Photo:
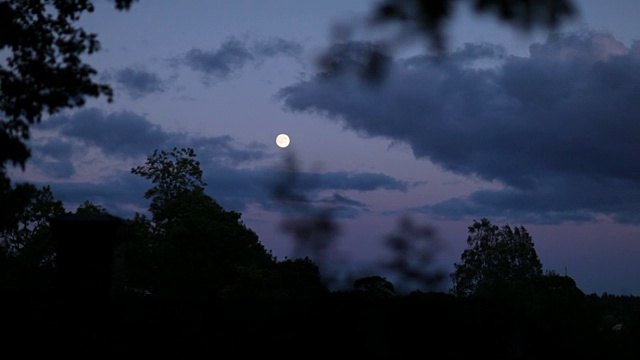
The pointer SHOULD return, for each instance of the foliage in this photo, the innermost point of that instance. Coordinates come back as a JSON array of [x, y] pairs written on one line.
[[413, 249], [496, 259], [196, 248], [14, 199], [298, 278], [428, 18], [313, 228], [44, 71], [27, 249], [425, 22], [174, 174], [29, 236]]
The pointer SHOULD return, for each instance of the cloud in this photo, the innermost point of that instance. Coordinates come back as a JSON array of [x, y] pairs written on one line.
[[138, 82], [343, 206], [55, 158], [554, 205], [558, 128], [129, 135], [123, 134], [229, 58], [236, 188], [234, 54], [224, 149], [342, 180], [273, 47], [236, 174]]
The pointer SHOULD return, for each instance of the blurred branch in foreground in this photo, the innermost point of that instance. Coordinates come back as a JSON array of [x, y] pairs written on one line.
[[313, 228], [405, 23], [413, 249]]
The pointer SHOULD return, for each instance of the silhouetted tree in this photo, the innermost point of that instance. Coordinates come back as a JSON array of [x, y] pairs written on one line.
[[174, 174], [44, 70], [28, 237], [198, 250], [298, 279], [27, 247], [497, 259], [558, 321]]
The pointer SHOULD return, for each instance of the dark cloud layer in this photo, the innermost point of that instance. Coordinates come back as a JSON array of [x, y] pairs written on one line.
[[558, 128], [129, 135], [234, 54], [236, 188], [55, 158], [123, 134], [230, 57]]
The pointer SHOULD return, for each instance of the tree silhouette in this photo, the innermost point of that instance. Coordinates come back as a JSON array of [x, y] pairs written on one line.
[[44, 72], [29, 238], [197, 250], [174, 174], [496, 259]]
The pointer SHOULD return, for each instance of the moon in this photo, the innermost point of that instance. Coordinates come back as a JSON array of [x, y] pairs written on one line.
[[283, 140]]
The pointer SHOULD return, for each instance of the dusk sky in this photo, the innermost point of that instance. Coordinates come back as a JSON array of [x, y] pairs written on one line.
[[540, 130]]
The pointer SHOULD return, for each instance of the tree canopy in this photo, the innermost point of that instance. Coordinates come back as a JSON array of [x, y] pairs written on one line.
[[175, 174], [28, 237], [496, 259], [194, 246]]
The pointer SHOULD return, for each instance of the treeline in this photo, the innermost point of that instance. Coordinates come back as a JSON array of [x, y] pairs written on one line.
[[189, 278]]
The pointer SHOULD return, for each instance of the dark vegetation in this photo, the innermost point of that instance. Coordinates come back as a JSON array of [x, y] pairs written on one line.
[[191, 278], [188, 278]]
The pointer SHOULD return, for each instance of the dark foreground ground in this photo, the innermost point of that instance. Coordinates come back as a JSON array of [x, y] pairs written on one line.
[[419, 324]]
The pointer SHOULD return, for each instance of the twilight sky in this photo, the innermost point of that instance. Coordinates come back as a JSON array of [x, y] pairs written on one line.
[[539, 129]]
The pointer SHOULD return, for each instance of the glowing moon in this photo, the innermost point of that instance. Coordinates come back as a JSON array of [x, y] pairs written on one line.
[[283, 140]]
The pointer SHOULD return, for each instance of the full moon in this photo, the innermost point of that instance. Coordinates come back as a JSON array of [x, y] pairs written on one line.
[[282, 140]]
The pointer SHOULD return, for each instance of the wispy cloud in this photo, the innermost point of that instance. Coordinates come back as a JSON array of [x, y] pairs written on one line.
[[123, 134], [233, 55], [136, 81]]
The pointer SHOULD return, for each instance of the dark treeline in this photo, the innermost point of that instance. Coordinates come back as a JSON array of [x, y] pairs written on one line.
[[189, 278]]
